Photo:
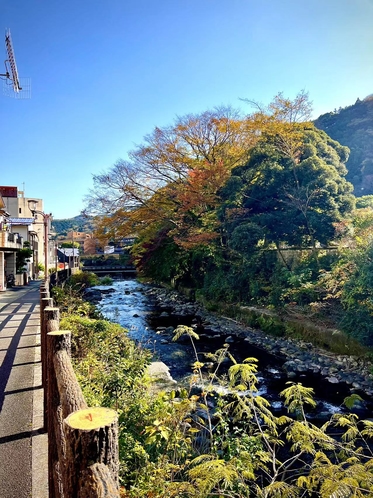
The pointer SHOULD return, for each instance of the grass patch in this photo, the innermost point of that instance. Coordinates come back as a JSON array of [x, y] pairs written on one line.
[[301, 325]]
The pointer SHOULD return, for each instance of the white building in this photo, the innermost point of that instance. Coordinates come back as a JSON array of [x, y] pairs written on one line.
[[23, 224]]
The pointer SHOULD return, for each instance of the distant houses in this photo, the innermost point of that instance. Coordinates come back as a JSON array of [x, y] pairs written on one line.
[[88, 245], [68, 257]]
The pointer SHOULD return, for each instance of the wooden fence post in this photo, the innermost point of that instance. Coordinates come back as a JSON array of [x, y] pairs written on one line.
[[71, 396], [95, 432], [65, 396], [44, 303], [52, 320], [83, 456], [98, 481]]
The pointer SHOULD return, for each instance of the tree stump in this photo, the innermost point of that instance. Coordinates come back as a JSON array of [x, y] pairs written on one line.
[[71, 396], [91, 437], [98, 482]]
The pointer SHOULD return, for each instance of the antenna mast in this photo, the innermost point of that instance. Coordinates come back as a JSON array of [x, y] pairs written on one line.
[[12, 63], [12, 86]]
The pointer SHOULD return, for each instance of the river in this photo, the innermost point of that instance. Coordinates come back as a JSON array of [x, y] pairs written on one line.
[[130, 306]]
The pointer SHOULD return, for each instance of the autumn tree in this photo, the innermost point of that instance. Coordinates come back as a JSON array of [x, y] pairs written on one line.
[[218, 180], [172, 178]]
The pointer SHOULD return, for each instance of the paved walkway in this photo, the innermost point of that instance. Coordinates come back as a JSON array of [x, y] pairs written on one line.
[[23, 443]]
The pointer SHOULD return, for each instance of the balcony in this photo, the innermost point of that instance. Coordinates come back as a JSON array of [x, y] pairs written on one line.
[[10, 241]]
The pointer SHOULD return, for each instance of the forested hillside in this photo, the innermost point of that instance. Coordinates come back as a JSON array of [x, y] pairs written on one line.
[[353, 126], [78, 224]]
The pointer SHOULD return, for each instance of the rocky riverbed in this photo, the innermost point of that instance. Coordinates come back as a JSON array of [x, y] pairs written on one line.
[[298, 357], [152, 313]]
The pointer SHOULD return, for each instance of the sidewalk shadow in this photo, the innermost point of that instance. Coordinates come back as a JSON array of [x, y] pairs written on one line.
[[22, 435], [8, 362]]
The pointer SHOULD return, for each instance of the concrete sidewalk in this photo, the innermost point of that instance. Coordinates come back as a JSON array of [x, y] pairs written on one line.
[[23, 443]]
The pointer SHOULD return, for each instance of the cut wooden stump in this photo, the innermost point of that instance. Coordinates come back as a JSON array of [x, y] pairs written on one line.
[[91, 437], [45, 302], [98, 482]]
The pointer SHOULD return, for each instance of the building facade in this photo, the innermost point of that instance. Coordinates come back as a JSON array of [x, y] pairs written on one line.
[[26, 228]]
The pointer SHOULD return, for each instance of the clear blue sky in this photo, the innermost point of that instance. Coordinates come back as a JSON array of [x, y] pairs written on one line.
[[104, 73]]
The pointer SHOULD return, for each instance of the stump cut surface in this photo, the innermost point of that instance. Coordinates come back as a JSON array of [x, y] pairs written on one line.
[[91, 418]]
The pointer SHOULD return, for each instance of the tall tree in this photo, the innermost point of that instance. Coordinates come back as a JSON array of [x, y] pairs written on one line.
[[290, 195]]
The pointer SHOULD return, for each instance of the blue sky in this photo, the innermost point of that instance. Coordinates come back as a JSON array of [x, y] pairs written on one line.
[[104, 73]]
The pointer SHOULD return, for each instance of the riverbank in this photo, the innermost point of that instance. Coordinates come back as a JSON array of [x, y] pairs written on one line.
[[298, 357], [196, 422]]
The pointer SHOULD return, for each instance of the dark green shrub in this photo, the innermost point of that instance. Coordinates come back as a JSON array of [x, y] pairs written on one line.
[[81, 280], [106, 280]]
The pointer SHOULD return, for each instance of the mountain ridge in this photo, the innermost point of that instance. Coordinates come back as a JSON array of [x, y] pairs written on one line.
[[353, 126]]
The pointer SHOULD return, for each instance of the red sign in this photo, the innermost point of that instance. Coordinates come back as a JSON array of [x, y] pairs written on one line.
[[9, 192]]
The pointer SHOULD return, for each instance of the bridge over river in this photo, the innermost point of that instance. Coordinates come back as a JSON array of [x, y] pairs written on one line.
[[125, 270]]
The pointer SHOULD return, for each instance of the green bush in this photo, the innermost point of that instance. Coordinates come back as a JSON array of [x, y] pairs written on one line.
[[105, 280], [70, 302], [81, 280], [351, 282], [23, 255]]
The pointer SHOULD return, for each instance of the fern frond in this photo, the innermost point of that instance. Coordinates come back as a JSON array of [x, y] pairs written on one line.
[[184, 330], [284, 420], [350, 434], [210, 473], [368, 428], [280, 489], [201, 458], [251, 359]]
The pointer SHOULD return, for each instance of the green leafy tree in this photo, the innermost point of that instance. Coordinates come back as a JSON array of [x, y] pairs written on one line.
[[70, 245], [285, 201], [23, 255], [364, 201]]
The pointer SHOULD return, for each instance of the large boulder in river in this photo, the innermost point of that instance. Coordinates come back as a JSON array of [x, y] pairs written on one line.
[[160, 373], [92, 295]]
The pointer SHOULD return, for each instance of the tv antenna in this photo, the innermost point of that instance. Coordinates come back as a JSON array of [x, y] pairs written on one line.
[[12, 84]]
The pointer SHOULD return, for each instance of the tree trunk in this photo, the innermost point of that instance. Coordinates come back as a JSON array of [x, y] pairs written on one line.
[[91, 437], [97, 481]]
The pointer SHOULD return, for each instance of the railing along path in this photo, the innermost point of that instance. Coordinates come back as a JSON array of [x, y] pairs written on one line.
[[83, 452]]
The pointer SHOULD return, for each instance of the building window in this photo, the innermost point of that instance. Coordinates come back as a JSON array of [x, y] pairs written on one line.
[[20, 210]]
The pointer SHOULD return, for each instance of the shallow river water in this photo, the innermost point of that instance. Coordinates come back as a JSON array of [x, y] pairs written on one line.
[[129, 306]]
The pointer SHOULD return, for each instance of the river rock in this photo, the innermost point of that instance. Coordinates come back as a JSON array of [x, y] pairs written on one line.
[[230, 340], [301, 367], [332, 380], [107, 291], [291, 375], [92, 295], [343, 368], [160, 373]]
